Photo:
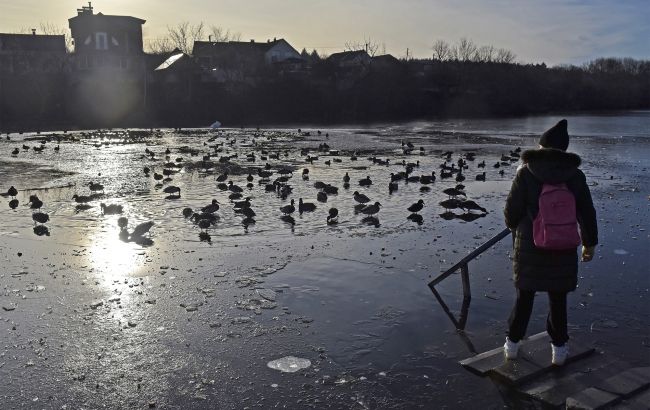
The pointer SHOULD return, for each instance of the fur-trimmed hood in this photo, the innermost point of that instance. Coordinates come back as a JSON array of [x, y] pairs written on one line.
[[551, 165]]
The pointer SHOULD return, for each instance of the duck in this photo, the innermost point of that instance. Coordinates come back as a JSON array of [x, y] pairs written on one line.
[[288, 209], [330, 189], [305, 206], [12, 191], [141, 229], [35, 202], [40, 217], [321, 197], [453, 192], [371, 209], [234, 188], [248, 212], [212, 208], [392, 187], [460, 177], [332, 216], [122, 223], [187, 212], [223, 177], [171, 190], [264, 174], [346, 178], [157, 176], [361, 198], [82, 199], [365, 181], [246, 203], [13, 204], [428, 179], [480, 177], [481, 164], [471, 206], [416, 207], [16, 151], [96, 187], [112, 209]]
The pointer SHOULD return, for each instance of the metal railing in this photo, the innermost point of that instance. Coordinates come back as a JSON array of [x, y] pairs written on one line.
[[462, 265]]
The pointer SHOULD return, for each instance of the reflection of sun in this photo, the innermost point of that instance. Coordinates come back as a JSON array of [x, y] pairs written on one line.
[[112, 258]]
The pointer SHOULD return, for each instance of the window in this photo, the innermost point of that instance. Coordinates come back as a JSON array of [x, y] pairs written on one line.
[[101, 41]]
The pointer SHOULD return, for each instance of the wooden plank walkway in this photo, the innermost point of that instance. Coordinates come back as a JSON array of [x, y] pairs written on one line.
[[588, 380]]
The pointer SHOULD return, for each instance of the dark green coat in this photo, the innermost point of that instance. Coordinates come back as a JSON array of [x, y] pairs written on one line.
[[538, 269]]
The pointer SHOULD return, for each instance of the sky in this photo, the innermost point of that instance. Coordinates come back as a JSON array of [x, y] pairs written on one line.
[[550, 31]]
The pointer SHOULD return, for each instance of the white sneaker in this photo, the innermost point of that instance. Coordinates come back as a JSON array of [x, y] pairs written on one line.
[[510, 349], [560, 354]]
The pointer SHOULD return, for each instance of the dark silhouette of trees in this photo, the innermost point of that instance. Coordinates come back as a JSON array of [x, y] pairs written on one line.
[[468, 51], [183, 35]]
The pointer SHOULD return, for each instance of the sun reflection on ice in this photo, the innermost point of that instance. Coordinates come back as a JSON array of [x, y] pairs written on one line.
[[112, 258]]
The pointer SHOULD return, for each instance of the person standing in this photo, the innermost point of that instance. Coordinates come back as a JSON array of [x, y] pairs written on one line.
[[539, 264]]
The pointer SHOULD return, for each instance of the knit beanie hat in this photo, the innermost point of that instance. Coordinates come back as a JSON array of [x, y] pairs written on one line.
[[556, 137]]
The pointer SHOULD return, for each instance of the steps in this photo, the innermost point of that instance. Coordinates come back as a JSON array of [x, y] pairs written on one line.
[[588, 380]]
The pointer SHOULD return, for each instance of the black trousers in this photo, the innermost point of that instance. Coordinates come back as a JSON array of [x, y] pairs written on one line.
[[556, 322]]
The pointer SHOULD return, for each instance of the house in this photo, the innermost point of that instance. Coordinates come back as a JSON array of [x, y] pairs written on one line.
[[105, 41], [22, 53], [350, 59], [241, 60]]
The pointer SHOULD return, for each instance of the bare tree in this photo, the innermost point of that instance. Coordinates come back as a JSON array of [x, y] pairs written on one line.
[[368, 45], [505, 56], [466, 49], [219, 34], [485, 54], [160, 45], [441, 50], [184, 34]]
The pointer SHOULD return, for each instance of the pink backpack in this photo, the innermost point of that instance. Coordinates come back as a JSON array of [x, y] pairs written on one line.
[[556, 227]]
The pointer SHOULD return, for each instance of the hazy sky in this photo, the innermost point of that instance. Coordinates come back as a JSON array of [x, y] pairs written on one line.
[[553, 31]]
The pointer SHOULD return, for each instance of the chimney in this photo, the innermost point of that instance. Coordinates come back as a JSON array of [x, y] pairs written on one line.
[[33, 32], [85, 10], [274, 39], [210, 38]]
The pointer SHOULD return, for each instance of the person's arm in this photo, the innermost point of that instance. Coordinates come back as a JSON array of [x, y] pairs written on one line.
[[586, 218], [516, 202]]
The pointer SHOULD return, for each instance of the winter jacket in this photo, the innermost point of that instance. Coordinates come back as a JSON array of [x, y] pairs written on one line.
[[534, 268]]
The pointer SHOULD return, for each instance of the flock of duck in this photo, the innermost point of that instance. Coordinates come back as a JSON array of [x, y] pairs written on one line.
[[278, 180]]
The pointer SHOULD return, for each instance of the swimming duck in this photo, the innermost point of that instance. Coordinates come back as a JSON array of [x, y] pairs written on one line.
[[305, 206], [112, 209], [96, 187], [12, 191], [361, 198], [365, 181], [371, 209], [288, 209], [171, 190], [480, 177], [332, 217]]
